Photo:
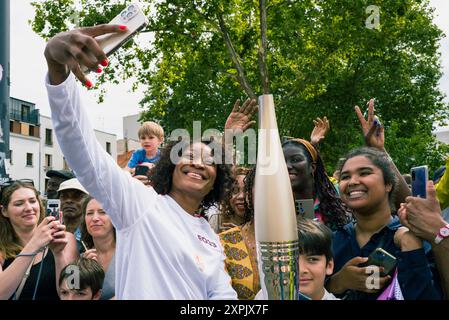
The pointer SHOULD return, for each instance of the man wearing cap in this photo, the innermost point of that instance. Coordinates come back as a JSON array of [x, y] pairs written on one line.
[[56, 178], [71, 194]]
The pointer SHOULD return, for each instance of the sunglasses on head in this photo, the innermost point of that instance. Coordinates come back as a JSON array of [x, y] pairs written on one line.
[[9, 183]]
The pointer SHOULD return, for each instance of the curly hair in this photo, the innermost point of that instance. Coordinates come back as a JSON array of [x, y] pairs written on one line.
[[335, 213], [248, 197], [226, 208], [162, 174]]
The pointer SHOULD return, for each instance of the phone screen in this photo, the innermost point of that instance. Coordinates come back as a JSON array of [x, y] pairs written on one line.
[[305, 208], [419, 181], [141, 171]]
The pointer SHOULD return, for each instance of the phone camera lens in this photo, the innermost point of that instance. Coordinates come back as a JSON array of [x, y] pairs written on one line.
[[132, 8], [129, 15]]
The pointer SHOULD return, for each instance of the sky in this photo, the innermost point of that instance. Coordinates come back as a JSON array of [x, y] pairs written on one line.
[[28, 69]]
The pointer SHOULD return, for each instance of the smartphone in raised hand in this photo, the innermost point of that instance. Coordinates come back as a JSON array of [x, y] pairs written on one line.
[[54, 209], [420, 175], [133, 18]]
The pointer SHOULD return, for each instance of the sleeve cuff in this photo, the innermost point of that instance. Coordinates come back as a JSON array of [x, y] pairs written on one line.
[[412, 259], [54, 88]]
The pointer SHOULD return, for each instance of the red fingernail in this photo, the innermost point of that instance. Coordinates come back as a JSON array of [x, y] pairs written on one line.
[[98, 70], [88, 84], [122, 27], [104, 63]]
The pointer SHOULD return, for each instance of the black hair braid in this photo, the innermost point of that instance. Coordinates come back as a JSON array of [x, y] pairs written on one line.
[[335, 212]]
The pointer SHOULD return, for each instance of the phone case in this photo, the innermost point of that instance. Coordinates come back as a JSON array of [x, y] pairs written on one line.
[[54, 209], [141, 170], [382, 258], [420, 176], [304, 208], [133, 18]]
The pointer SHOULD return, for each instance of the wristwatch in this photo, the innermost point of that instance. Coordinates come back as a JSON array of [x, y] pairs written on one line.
[[442, 234]]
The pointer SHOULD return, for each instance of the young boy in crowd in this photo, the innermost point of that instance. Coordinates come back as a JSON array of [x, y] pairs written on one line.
[[90, 275], [315, 260], [151, 136]]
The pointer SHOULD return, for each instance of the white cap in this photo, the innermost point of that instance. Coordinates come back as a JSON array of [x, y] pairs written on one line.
[[72, 184]]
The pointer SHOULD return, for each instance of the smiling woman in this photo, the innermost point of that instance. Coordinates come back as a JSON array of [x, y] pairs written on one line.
[[164, 251], [367, 184], [309, 180], [194, 176], [24, 238], [99, 236]]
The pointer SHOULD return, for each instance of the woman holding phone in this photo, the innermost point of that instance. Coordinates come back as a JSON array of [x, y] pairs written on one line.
[[367, 185], [160, 235], [30, 243]]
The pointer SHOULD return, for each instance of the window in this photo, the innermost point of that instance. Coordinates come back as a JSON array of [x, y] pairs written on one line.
[[29, 159], [25, 113], [31, 131], [10, 157], [48, 137], [48, 160], [108, 147]]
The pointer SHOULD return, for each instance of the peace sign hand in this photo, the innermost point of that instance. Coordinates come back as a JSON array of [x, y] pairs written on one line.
[[373, 131]]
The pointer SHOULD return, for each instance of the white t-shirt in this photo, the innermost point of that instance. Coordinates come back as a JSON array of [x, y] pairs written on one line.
[[162, 252]]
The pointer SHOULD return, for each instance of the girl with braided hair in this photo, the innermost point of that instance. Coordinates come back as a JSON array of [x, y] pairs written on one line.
[[310, 181]]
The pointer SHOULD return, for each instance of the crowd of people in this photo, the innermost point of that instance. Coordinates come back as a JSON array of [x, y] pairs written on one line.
[[160, 229]]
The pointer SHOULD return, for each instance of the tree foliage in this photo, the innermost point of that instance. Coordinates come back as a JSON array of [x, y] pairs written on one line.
[[320, 58]]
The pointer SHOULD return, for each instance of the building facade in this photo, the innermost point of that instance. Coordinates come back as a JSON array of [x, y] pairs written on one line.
[[33, 146]]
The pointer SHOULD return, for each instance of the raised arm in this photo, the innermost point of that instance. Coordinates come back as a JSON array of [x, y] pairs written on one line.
[[94, 168], [423, 218], [373, 132], [238, 121], [319, 131]]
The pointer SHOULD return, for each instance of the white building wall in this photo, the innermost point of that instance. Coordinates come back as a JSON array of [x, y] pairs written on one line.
[[131, 126], [21, 145], [104, 138], [17, 168]]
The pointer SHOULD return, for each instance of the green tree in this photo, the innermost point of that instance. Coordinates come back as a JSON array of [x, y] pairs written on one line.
[[317, 57]]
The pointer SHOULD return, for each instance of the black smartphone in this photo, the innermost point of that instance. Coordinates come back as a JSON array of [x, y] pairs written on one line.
[[141, 171], [381, 258], [420, 176]]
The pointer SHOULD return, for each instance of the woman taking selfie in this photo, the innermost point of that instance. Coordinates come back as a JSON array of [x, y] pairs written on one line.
[[160, 236], [30, 243]]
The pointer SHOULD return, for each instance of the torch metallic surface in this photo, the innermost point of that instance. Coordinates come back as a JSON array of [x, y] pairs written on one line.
[[274, 209], [278, 265]]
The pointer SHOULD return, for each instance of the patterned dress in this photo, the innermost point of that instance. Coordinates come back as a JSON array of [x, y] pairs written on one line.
[[240, 264]]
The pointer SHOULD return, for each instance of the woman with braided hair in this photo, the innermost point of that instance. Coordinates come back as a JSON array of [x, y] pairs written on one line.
[[310, 181]]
